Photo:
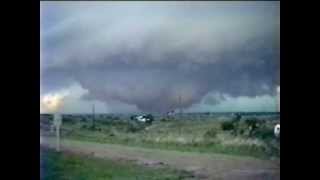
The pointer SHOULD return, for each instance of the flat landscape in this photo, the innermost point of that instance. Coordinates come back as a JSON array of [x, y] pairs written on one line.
[[187, 149], [160, 91], [199, 165]]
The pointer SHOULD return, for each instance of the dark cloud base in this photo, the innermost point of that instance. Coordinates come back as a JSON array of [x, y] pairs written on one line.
[[163, 66]]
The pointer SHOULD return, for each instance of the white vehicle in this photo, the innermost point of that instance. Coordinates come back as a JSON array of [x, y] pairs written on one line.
[[144, 118], [141, 119], [277, 130], [171, 113]]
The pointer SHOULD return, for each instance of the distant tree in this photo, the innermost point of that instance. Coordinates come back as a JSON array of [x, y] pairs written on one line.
[[237, 118], [211, 133], [227, 125], [164, 119], [252, 123], [133, 117], [149, 118]]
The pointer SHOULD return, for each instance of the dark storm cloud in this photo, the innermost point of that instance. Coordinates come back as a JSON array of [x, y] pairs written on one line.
[[150, 55]]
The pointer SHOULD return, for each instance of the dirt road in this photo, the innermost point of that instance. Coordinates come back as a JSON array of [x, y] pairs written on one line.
[[203, 166]]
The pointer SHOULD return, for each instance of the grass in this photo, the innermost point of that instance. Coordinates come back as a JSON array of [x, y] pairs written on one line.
[[199, 136], [59, 166], [239, 150]]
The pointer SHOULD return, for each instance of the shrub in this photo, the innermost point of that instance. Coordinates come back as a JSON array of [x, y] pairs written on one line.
[[263, 133], [134, 127], [227, 125], [133, 117], [150, 118], [84, 126], [68, 120], [241, 131], [164, 119], [104, 122], [252, 122], [237, 118], [240, 128], [91, 127], [211, 133]]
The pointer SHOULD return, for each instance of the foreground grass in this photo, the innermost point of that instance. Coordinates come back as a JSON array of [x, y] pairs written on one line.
[[181, 136], [59, 166], [239, 150]]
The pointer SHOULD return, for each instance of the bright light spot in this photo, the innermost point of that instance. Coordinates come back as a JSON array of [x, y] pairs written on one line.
[[51, 102]]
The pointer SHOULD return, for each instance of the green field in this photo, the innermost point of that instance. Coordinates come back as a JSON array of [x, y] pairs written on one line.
[[67, 166], [246, 137]]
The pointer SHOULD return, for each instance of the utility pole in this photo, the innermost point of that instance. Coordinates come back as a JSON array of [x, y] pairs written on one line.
[[93, 116], [180, 109], [58, 138], [278, 98], [57, 121]]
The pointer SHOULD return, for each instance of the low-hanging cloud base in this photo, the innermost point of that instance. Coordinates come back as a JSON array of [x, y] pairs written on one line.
[[155, 58]]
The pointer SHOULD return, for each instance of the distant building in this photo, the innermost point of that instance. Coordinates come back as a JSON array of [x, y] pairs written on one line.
[[144, 118], [170, 113]]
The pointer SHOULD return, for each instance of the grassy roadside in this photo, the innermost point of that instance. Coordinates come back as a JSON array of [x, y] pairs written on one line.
[[247, 137], [250, 151], [187, 136], [61, 166]]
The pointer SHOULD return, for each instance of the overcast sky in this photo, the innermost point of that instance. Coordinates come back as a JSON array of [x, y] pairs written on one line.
[[160, 56]]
